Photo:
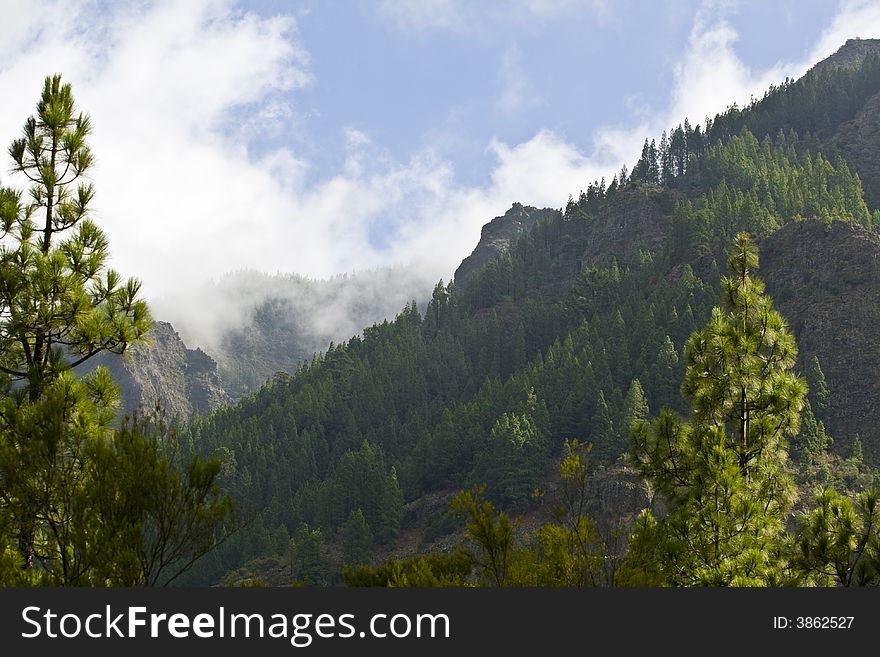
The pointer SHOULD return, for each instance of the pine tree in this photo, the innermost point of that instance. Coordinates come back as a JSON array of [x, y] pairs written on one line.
[[60, 303], [666, 367], [725, 474], [819, 395], [356, 539], [391, 509], [603, 436], [81, 503], [635, 407], [839, 540], [59, 306], [857, 454], [492, 533], [813, 441], [146, 515], [510, 464], [306, 555], [568, 551]]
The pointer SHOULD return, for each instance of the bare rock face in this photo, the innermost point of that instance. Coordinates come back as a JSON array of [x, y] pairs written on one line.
[[634, 219], [162, 369], [858, 141], [825, 280], [616, 493], [849, 54], [498, 235]]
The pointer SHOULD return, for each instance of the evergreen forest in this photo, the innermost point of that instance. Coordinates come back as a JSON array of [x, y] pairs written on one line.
[[653, 386]]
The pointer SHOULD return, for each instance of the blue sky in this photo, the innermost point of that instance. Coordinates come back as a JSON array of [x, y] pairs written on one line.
[[325, 136], [422, 80]]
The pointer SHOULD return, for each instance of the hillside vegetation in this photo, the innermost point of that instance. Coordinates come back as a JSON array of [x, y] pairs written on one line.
[[576, 329]]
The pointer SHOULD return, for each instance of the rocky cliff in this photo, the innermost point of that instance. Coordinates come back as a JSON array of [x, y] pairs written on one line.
[[162, 369], [858, 141], [633, 220], [497, 236], [850, 53], [825, 280]]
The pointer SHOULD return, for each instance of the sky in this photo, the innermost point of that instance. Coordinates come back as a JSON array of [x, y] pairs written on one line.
[[330, 136]]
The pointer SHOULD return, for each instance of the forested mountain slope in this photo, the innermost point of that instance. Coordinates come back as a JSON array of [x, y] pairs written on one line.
[[574, 330], [251, 325]]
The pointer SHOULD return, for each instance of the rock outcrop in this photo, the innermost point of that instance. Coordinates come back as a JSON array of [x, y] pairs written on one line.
[[825, 280], [849, 54], [858, 141], [162, 369], [634, 219], [497, 236]]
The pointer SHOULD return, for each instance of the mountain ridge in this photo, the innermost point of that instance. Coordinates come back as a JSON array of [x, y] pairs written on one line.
[[850, 54], [497, 235], [570, 324]]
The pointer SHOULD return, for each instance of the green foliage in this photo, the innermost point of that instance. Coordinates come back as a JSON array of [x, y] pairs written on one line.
[[756, 187], [641, 566], [430, 570], [60, 303], [813, 442], [156, 512], [635, 406], [306, 556], [361, 481], [356, 538], [838, 541], [568, 551], [819, 394], [604, 434], [45, 447], [561, 556], [858, 453], [561, 553], [429, 394], [81, 503], [565, 552], [443, 395], [511, 460], [122, 510], [725, 474], [493, 535], [810, 109]]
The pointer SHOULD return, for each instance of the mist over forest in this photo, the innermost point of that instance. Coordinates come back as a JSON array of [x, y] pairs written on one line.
[[255, 323]]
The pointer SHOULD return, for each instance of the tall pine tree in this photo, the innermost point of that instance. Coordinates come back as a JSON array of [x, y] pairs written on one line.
[[725, 473], [81, 504], [59, 306]]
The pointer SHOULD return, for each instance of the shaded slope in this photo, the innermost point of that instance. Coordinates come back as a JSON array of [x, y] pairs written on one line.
[[826, 281]]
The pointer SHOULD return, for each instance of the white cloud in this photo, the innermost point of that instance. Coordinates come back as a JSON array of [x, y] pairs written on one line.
[[181, 197], [709, 76], [542, 172], [176, 190], [711, 72], [856, 19]]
